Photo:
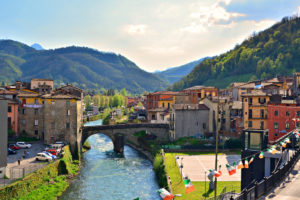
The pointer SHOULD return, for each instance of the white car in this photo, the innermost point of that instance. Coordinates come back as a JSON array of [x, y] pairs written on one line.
[[23, 145], [43, 157]]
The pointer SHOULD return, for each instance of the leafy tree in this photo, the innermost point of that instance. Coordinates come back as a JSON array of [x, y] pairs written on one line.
[[87, 101], [123, 92]]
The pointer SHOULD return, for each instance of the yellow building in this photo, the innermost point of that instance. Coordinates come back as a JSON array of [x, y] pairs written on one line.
[[255, 109], [166, 102]]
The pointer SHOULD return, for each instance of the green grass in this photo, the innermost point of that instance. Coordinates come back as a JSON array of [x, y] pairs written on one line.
[[48, 191], [199, 193]]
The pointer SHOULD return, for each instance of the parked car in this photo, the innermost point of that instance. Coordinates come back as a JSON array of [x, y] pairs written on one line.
[[57, 147], [13, 147], [23, 145], [43, 157], [10, 151], [53, 152], [49, 154]]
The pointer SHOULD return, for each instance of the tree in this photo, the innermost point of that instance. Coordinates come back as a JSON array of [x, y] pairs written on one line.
[[87, 101], [96, 100], [123, 92]]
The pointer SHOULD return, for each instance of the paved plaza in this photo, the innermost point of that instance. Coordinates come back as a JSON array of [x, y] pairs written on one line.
[[195, 166]]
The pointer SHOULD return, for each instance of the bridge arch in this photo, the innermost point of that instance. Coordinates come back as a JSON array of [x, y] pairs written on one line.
[[122, 133]]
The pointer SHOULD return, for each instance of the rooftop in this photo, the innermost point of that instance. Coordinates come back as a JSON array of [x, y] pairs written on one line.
[[190, 107], [255, 93], [198, 87]]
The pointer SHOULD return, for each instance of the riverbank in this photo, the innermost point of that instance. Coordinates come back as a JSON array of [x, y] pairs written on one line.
[[46, 183]]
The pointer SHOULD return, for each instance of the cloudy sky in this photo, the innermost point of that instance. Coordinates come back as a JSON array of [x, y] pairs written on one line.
[[155, 34]]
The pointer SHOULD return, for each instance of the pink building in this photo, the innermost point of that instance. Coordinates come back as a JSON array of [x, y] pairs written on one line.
[[12, 115]]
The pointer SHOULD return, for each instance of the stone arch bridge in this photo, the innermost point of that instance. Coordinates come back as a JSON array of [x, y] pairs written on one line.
[[122, 133]]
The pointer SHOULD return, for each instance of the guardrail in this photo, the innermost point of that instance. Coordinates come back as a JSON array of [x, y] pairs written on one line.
[[265, 185]]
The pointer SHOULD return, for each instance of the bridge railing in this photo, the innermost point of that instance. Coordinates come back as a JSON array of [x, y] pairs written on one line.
[[265, 185]]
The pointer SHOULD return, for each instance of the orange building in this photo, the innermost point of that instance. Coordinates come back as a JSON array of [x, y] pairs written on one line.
[[12, 115]]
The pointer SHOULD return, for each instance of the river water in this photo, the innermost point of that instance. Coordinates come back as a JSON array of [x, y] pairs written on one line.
[[108, 176]]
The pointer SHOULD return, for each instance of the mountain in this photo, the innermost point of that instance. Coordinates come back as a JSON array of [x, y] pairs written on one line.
[[37, 46], [275, 51], [84, 67], [176, 73]]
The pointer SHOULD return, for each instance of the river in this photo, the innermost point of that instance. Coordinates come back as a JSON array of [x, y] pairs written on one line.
[[108, 176]]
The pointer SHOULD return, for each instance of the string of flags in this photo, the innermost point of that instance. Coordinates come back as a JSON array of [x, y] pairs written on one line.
[[245, 163], [165, 195]]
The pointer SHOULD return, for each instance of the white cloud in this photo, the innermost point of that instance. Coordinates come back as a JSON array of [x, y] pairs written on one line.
[[160, 50], [138, 29], [209, 16]]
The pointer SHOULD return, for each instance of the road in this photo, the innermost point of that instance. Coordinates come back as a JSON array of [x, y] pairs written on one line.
[[289, 189]]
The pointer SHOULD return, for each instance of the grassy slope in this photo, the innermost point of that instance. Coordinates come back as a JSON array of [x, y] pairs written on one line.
[[199, 193]]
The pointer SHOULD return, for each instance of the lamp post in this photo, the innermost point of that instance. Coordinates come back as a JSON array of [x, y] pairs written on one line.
[[217, 143], [205, 185]]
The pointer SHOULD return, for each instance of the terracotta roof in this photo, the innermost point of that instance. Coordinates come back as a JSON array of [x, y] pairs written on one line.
[[41, 79], [69, 85], [237, 84], [59, 96], [166, 99], [163, 92], [190, 107], [8, 92], [23, 94]]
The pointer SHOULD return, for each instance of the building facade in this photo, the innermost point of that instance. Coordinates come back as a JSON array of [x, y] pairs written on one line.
[[189, 120], [12, 115], [197, 93], [255, 111], [3, 136]]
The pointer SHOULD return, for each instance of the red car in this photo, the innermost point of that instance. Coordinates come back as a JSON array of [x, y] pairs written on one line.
[[14, 147], [52, 151]]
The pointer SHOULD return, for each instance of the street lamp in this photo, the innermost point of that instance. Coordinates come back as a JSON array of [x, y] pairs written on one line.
[[217, 143]]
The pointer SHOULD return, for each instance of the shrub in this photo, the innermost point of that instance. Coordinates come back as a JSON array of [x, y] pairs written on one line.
[[233, 143], [159, 168]]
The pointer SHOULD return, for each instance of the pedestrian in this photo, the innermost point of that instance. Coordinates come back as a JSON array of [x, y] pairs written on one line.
[[19, 161], [24, 154]]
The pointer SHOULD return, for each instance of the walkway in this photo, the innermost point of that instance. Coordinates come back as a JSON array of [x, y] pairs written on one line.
[[289, 189]]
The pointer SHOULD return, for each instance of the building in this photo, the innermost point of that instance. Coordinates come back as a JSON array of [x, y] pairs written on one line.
[[12, 115], [41, 83], [224, 114], [236, 118], [283, 117], [51, 117], [255, 110], [3, 136], [199, 92], [189, 120]]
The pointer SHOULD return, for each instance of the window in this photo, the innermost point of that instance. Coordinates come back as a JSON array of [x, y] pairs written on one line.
[[204, 126], [262, 125], [250, 113], [250, 101], [36, 122], [168, 105], [68, 102], [275, 125], [287, 113], [36, 132], [276, 113], [255, 140], [68, 125], [68, 112], [163, 105], [287, 125], [9, 109], [52, 112], [298, 113], [36, 111], [24, 122], [23, 111], [53, 125], [246, 100], [250, 124]]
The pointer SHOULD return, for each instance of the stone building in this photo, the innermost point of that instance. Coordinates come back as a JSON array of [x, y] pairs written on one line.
[[39, 83], [3, 136], [189, 120]]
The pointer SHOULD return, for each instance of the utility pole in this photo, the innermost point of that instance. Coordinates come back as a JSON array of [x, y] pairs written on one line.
[[217, 143]]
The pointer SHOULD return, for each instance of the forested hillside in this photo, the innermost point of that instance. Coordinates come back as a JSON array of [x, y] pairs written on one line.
[[84, 67], [275, 51]]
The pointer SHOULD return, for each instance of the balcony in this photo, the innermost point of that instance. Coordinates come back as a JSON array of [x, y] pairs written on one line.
[[258, 117], [257, 104]]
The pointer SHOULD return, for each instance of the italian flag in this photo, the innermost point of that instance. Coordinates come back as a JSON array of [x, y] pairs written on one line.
[[251, 160], [164, 194], [188, 186], [240, 166], [231, 169], [217, 173], [246, 163]]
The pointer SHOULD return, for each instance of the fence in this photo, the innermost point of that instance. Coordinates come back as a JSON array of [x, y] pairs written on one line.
[[265, 185], [15, 173]]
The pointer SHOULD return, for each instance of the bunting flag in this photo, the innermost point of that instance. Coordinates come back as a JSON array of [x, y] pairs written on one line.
[[287, 140], [246, 163], [215, 173], [188, 186], [164, 194], [251, 160], [273, 151], [240, 165], [137, 198], [283, 144], [261, 155], [231, 169]]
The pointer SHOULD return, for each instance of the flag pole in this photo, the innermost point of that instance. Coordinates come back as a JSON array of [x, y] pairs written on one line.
[[217, 143]]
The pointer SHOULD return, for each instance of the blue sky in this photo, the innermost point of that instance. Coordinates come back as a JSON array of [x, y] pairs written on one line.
[[154, 34]]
